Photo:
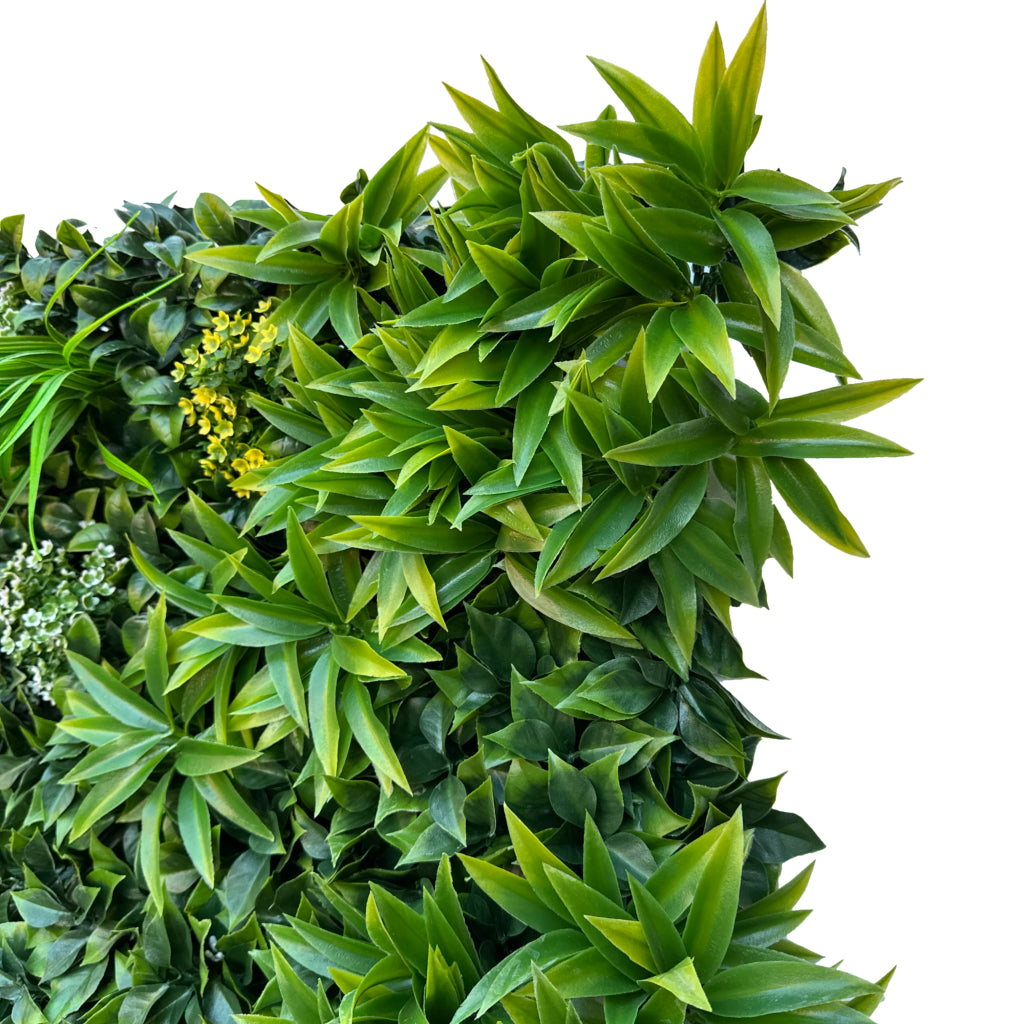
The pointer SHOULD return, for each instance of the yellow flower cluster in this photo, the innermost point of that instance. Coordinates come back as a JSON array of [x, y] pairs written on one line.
[[217, 370]]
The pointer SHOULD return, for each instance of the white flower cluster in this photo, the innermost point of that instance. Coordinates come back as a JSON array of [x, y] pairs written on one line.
[[41, 595], [6, 311]]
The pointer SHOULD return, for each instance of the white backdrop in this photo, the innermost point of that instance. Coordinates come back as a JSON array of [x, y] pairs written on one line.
[[894, 676]]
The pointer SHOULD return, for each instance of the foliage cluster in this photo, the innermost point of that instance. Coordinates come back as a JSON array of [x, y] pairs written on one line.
[[410, 704]]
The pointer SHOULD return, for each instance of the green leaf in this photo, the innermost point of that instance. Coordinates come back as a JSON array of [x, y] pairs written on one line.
[[777, 189], [757, 989], [283, 667], [683, 983], [308, 569], [530, 425], [204, 757], [514, 970], [709, 79], [514, 894], [679, 599], [602, 525], [712, 914], [194, 829], [682, 444], [779, 345], [644, 102], [294, 620], [755, 250], [218, 791], [503, 272], [673, 507], [812, 502], [114, 791], [324, 721], [752, 527], [149, 841], [114, 697], [299, 999], [846, 402], [626, 936], [736, 100], [284, 268], [702, 329], [358, 657], [645, 141], [414, 532], [572, 795], [371, 735], [809, 439], [565, 607], [421, 585], [709, 558]]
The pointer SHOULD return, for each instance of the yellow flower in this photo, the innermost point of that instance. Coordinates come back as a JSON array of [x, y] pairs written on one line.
[[228, 406], [221, 321], [205, 396], [224, 429], [240, 466], [255, 457], [264, 306], [254, 354], [204, 425], [217, 450]]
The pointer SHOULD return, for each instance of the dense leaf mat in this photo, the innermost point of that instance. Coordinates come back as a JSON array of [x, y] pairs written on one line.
[[366, 583]]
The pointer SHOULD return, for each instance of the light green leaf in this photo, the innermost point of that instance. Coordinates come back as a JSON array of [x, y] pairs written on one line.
[[736, 100], [565, 607], [194, 829], [755, 250], [702, 329], [812, 502], [683, 983], [371, 735], [673, 507], [809, 439], [712, 915], [846, 402], [682, 444], [757, 989]]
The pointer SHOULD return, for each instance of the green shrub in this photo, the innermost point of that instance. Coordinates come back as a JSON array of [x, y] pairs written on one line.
[[411, 706]]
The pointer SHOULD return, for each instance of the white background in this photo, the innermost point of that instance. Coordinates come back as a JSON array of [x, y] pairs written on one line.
[[897, 677]]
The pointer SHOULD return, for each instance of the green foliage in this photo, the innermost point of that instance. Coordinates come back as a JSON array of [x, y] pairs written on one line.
[[411, 707]]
